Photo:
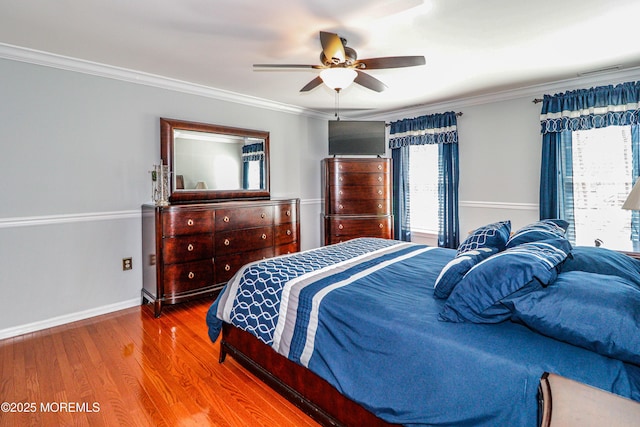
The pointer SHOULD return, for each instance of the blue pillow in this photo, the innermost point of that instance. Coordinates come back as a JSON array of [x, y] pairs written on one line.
[[597, 312], [489, 236], [476, 298], [455, 270], [542, 230], [603, 261]]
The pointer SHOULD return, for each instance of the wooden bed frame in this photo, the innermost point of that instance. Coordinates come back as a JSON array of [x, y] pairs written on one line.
[[315, 396]]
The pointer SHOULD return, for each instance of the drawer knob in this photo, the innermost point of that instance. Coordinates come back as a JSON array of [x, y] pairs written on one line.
[[340, 207], [379, 205], [340, 226], [227, 242], [264, 236], [227, 267], [225, 219], [191, 275], [339, 166], [341, 179], [190, 247], [288, 232], [189, 222], [380, 192], [340, 192], [262, 215], [288, 212], [381, 225], [379, 179], [379, 167]]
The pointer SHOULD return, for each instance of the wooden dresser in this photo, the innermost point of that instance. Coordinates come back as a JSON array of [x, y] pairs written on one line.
[[192, 250], [357, 198]]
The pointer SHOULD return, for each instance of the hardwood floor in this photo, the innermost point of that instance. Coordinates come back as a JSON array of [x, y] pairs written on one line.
[[130, 369]]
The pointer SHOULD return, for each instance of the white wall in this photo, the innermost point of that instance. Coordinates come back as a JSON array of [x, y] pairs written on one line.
[[500, 154], [500, 150], [76, 148], [75, 154]]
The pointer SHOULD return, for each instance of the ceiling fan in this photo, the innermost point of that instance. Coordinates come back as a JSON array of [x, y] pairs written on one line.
[[341, 66]]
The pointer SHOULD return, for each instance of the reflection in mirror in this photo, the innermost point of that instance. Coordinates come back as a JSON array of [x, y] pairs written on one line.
[[208, 161], [211, 162]]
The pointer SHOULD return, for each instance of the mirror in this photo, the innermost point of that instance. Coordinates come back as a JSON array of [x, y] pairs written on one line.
[[211, 162]]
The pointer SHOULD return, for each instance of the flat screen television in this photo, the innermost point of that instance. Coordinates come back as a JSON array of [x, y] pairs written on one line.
[[356, 137]]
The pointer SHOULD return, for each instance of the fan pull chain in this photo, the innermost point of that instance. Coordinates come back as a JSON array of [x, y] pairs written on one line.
[[337, 104]]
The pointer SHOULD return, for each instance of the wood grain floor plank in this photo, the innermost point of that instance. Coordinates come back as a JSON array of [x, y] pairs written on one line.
[[207, 356], [141, 371], [6, 380]]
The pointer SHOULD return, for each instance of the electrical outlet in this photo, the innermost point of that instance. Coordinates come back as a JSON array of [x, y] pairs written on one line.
[[127, 264]]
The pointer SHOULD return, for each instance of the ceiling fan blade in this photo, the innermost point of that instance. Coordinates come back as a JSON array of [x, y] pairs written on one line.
[[391, 62], [312, 84], [369, 82], [332, 47], [286, 66]]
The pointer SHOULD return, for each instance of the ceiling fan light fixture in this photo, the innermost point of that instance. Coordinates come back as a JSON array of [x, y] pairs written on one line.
[[338, 78]]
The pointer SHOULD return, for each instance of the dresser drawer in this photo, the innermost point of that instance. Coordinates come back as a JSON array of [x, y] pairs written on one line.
[[287, 249], [360, 227], [190, 250], [230, 242], [285, 233], [358, 179], [362, 207], [377, 192], [188, 276], [176, 223], [285, 213], [354, 165], [233, 219], [187, 248], [226, 266]]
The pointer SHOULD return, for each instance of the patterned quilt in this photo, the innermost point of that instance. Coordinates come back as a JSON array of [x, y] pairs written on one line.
[[362, 315], [267, 303]]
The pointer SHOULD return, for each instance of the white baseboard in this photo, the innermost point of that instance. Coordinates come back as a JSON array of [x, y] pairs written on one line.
[[67, 318]]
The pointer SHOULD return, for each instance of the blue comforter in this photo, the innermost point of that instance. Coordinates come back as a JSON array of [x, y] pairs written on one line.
[[362, 315]]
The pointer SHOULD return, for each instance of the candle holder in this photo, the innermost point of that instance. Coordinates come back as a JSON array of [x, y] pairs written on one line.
[[160, 185]]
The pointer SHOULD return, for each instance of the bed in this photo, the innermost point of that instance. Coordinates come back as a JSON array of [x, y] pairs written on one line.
[[382, 332]]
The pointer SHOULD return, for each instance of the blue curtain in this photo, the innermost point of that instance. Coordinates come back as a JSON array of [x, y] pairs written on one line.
[[582, 110], [430, 129], [251, 153], [401, 202], [448, 235]]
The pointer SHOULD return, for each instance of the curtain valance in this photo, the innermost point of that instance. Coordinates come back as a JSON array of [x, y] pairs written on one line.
[[591, 108], [252, 152], [431, 129]]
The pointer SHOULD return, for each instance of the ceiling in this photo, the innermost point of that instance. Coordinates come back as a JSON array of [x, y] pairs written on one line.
[[471, 47]]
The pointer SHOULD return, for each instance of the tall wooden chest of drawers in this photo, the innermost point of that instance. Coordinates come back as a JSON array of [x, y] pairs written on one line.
[[357, 198], [192, 250]]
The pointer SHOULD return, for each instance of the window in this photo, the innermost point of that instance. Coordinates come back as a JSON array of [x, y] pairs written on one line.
[[423, 188], [602, 165], [254, 172]]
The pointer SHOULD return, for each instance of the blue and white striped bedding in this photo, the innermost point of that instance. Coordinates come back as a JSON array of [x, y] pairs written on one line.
[[268, 302], [362, 315]]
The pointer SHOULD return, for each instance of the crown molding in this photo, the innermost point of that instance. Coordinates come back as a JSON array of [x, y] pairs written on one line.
[[37, 57], [534, 91], [46, 59]]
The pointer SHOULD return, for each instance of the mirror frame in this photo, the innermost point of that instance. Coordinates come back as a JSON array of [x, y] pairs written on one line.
[[167, 126]]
